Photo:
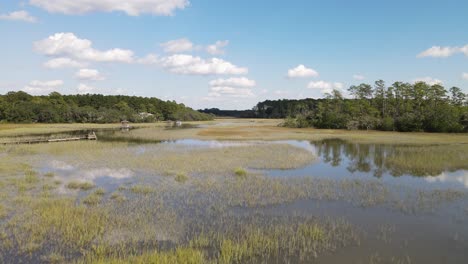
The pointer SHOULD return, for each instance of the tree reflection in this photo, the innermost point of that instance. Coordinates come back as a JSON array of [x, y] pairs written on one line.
[[394, 160]]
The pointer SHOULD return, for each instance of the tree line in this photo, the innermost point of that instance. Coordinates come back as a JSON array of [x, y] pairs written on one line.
[[21, 107], [399, 107]]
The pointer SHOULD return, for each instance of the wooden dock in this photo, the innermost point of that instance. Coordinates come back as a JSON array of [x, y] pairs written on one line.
[[90, 136]]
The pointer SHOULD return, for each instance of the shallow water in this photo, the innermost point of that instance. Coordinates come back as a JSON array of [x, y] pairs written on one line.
[[388, 234], [338, 159]]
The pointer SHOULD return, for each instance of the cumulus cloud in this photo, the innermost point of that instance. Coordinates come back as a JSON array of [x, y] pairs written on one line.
[[188, 64], [232, 87], [89, 75], [302, 71], [237, 82], [177, 46], [443, 52], [358, 77], [58, 63], [85, 89], [42, 87], [69, 45], [19, 16], [325, 87], [185, 45], [217, 48], [428, 80], [130, 7], [465, 76]]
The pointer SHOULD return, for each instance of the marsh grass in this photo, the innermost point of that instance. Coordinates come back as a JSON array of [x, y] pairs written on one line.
[[181, 177], [240, 172], [57, 223], [92, 199], [141, 189], [217, 218], [49, 174], [100, 192], [162, 158], [118, 197], [85, 186], [3, 211], [261, 129], [428, 160]]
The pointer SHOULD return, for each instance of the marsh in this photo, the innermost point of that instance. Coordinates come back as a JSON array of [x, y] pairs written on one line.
[[235, 191]]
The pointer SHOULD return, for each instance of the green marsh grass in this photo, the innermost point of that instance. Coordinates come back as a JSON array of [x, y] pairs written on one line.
[[75, 185], [214, 219], [141, 189], [92, 199], [181, 177], [49, 174], [240, 172]]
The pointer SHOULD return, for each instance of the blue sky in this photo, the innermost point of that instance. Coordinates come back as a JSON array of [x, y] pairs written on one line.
[[228, 54]]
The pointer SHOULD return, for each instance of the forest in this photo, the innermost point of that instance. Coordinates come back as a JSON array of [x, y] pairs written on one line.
[[21, 107], [400, 107]]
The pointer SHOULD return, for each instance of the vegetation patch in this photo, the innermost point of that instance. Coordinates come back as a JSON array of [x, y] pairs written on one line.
[[75, 185], [240, 172], [181, 177]]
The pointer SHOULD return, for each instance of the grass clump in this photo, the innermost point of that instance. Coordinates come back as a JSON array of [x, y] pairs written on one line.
[[118, 197], [240, 172], [80, 185], [49, 175], [92, 199], [30, 177], [181, 177], [100, 192], [140, 189]]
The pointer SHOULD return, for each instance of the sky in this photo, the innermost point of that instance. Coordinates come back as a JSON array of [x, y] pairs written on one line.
[[228, 54]]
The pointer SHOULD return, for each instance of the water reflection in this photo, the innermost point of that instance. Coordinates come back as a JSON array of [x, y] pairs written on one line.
[[380, 160], [67, 173], [457, 177], [421, 166]]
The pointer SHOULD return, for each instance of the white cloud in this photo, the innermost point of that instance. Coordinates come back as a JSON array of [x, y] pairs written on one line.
[[19, 16], [69, 45], [359, 77], [428, 80], [443, 52], [232, 88], [89, 75], [237, 82], [188, 64], [58, 63], [217, 48], [149, 59], [464, 50], [130, 7], [185, 45], [222, 91], [42, 87], [85, 89], [325, 87], [178, 45], [302, 71], [465, 76]]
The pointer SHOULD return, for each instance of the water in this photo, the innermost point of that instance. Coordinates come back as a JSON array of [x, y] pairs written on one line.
[[336, 159], [438, 236]]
